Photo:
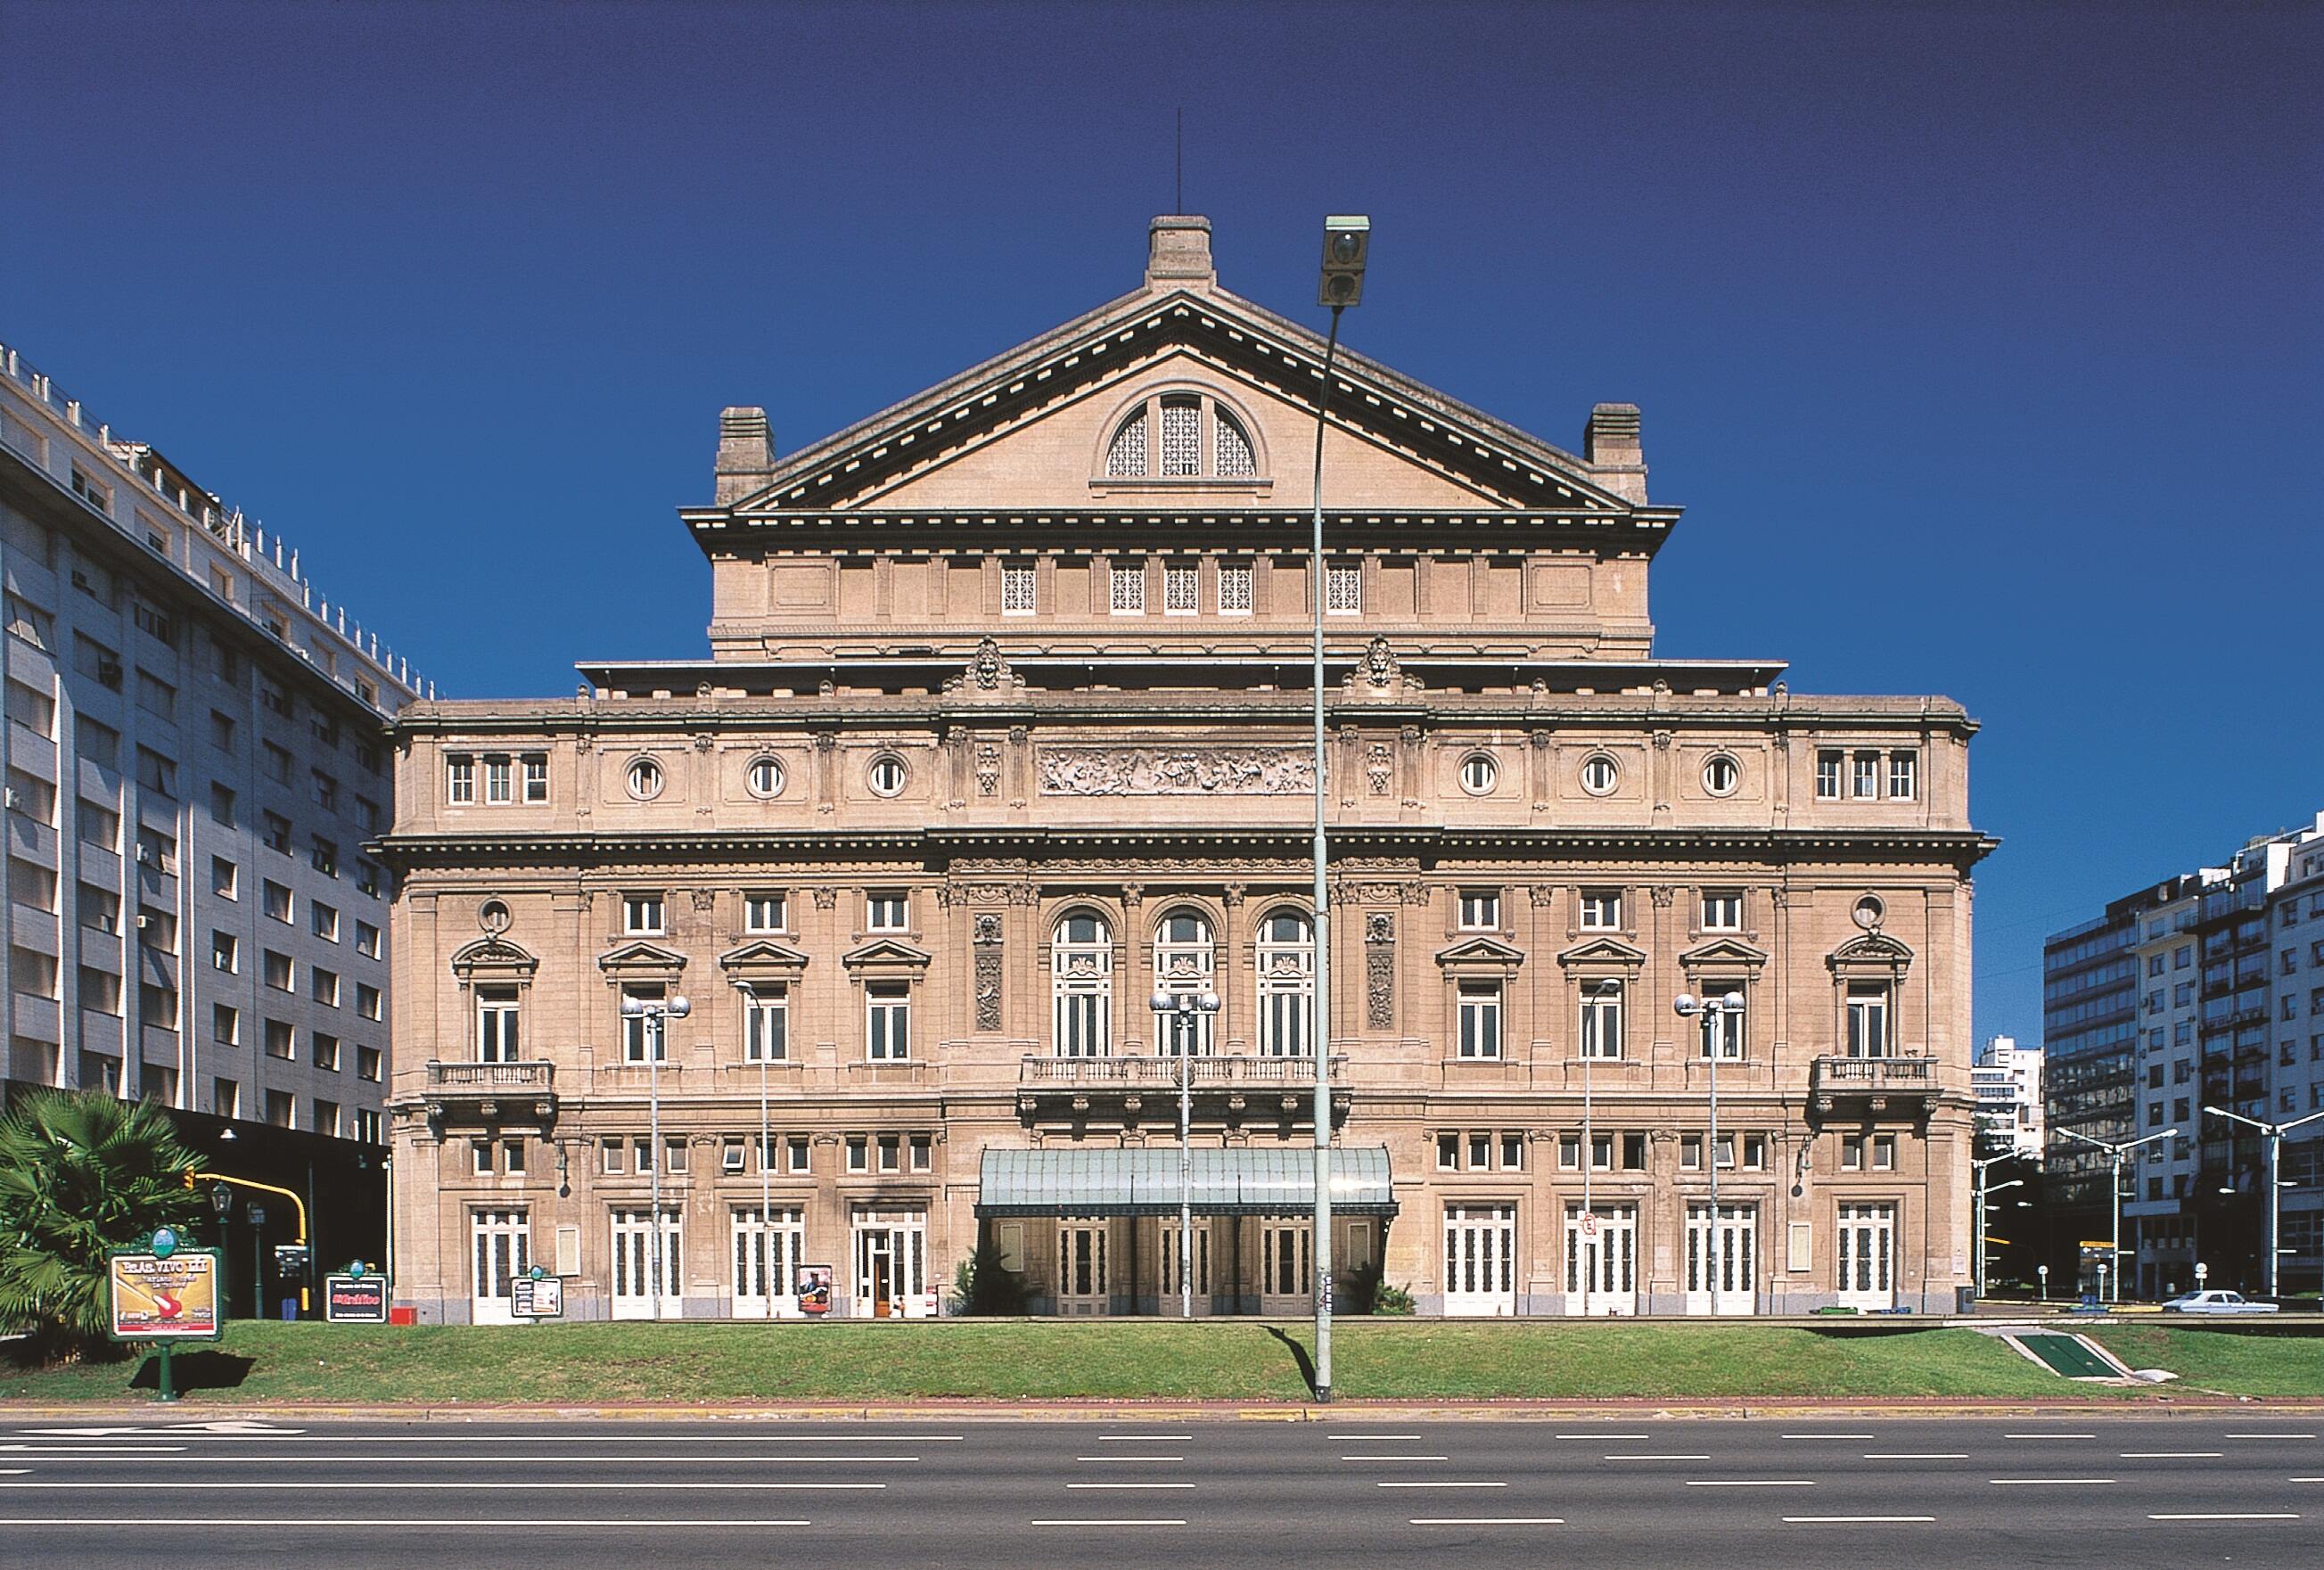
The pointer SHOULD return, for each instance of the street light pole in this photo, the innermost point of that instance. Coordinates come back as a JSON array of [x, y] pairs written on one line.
[[1178, 1009], [1716, 1014], [2114, 1153], [1983, 1193], [2274, 1132], [1346, 243], [766, 1157], [1606, 990], [654, 1014]]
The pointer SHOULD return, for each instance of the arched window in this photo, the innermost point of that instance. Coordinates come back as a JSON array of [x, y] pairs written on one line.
[[1127, 455], [1185, 960], [1182, 437], [1235, 459], [1081, 981], [1287, 985]]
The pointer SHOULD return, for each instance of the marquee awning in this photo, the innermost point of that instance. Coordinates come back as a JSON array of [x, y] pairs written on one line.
[[1235, 1181]]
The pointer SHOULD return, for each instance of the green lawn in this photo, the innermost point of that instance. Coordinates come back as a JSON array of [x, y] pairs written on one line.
[[1240, 1361]]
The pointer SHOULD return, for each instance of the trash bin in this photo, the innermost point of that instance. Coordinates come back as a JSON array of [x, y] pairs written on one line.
[[290, 1309]]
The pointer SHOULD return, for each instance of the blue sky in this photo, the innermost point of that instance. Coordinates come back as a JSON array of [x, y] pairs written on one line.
[[1981, 342]]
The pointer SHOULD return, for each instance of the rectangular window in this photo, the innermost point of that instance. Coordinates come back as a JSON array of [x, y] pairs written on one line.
[[1448, 1153], [276, 968], [366, 1001], [279, 1041], [1602, 1020], [1017, 588], [1689, 1152], [923, 1154], [1344, 588], [323, 855], [1481, 1152], [612, 1157], [1601, 909], [459, 780], [366, 877], [732, 1156], [1828, 767], [274, 899], [887, 913], [795, 1155], [1569, 1152], [859, 1153], [367, 1063], [325, 790], [366, 1125], [1851, 1154], [1512, 1152], [892, 1155], [1178, 588], [536, 777], [226, 952], [500, 781], [1867, 1020], [1125, 578], [480, 1157], [225, 1025], [766, 1024], [642, 1033], [366, 940], [277, 762], [221, 806], [323, 1050], [1480, 1019], [1883, 1152], [763, 911], [1234, 588], [888, 1026], [1481, 909], [281, 1109], [276, 832], [324, 920], [226, 1098], [1722, 1030], [1864, 776], [1903, 775], [496, 1025], [1722, 911], [1634, 1152], [33, 710], [642, 914]]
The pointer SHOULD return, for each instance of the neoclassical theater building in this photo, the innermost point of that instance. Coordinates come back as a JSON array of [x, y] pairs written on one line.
[[1004, 727]]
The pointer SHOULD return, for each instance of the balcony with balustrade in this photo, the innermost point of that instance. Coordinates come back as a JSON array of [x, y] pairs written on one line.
[[1225, 1090], [1877, 1088], [491, 1093]]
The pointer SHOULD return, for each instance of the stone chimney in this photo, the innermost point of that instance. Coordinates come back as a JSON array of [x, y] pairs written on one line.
[[1178, 252], [1611, 442], [746, 453]]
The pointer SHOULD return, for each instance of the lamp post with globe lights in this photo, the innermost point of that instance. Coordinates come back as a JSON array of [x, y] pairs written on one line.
[[653, 1015], [1178, 1012], [1716, 1014]]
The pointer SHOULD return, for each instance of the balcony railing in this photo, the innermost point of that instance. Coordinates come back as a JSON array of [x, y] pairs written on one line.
[[1205, 1074], [492, 1093], [1888, 1083], [515, 1078]]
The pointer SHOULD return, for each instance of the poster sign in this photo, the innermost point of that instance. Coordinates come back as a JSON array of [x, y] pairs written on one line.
[[814, 1289], [536, 1298], [171, 1296], [351, 1300]]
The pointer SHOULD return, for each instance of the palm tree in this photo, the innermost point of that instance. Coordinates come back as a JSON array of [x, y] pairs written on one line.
[[81, 1173]]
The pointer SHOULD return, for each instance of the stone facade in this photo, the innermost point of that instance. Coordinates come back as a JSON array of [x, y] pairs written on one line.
[[1004, 729]]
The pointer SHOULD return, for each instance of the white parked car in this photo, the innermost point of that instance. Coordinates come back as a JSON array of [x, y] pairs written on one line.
[[2215, 1302]]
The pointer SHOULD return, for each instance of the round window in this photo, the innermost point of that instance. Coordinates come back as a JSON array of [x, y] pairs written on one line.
[[494, 917], [765, 778], [1868, 911], [1478, 772], [1721, 775], [1599, 774], [887, 775], [645, 779]]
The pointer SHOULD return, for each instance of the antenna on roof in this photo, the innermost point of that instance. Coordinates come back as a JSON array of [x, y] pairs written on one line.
[[1178, 206]]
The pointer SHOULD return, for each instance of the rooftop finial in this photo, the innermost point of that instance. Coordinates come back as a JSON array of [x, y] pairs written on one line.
[[1178, 252]]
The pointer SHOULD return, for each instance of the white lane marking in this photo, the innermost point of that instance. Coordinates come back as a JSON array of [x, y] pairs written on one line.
[[1751, 1483], [2271, 1435], [1827, 1435], [1113, 1522], [1121, 1486], [1145, 1438], [1601, 1436], [227, 1427], [1629, 1457], [1131, 1459], [2230, 1516], [2041, 1482], [1841, 1520], [1394, 1458], [93, 1449], [737, 1434], [2306, 1480], [310, 1523], [464, 1486], [1489, 1520], [1916, 1455], [2171, 1454], [15, 1471], [1440, 1485], [470, 1460], [1379, 1438], [2049, 1435]]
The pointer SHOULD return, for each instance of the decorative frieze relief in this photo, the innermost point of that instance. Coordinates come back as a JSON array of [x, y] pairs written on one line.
[[1176, 771], [988, 769], [987, 988], [1379, 989]]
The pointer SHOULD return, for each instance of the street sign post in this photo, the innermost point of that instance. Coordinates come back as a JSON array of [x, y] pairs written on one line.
[[165, 1294], [815, 1290], [536, 1296], [356, 1296]]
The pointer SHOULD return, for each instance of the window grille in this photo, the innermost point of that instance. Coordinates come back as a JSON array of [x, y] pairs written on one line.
[[1236, 460], [1128, 454], [1182, 437]]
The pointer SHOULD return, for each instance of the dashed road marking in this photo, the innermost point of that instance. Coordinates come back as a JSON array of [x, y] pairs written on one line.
[[2041, 1482], [1441, 1485], [1489, 1520], [2229, 1516], [1851, 1520], [1751, 1483], [1110, 1521], [2171, 1454]]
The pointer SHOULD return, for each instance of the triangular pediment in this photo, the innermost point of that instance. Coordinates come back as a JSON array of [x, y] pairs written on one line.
[[1728, 952], [641, 956], [1480, 951], [1603, 951], [761, 957], [1031, 425], [886, 952]]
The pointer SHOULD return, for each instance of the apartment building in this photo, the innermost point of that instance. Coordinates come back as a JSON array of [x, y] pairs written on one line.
[[2008, 1081]]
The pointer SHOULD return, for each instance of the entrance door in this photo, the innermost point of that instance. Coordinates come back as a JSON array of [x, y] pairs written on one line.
[[1868, 1252], [1287, 1267], [1167, 1251], [1601, 1259], [633, 1266], [503, 1251], [1480, 1245], [769, 1248], [1083, 1285], [1730, 1261], [892, 1264]]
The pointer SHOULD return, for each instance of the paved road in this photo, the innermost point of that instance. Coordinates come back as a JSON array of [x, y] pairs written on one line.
[[1888, 1492]]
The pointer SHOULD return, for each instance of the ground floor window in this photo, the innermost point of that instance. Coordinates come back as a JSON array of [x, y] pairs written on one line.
[[1480, 1259], [503, 1251], [1601, 1258], [1082, 1265], [768, 1247], [1199, 1245], [1867, 1254], [1722, 1261], [1287, 1260], [645, 1273]]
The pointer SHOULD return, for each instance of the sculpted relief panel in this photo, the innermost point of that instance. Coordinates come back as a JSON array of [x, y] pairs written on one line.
[[1176, 772]]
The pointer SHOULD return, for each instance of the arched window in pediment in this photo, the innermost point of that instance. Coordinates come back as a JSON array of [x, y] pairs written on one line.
[[1183, 434], [1126, 458], [1236, 461]]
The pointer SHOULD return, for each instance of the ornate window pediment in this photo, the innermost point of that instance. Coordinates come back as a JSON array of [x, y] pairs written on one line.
[[1181, 434], [886, 957], [1870, 956], [1603, 954], [1478, 957], [761, 961], [642, 962], [1727, 955], [493, 959]]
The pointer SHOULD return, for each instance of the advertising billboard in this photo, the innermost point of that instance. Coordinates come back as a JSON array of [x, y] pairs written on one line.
[[171, 1296]]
